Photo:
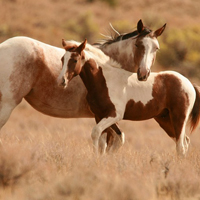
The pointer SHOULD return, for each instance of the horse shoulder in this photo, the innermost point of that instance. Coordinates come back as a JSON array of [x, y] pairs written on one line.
[[98, 96]]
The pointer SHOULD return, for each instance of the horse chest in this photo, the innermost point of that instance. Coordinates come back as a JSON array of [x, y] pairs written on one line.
[[97, 97]]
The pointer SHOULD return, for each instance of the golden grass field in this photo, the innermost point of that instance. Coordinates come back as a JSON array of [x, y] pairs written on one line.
[[46, 158]]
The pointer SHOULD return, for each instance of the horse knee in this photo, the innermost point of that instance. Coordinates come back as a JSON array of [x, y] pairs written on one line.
[[96, 131], [103, 143], [182, 146], [122, 138], [180, 149], [187, 142]]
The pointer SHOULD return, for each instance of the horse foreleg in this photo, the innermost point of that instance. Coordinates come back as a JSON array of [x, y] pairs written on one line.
[[111, 139], [100, 127], [103, 142], [5, 111], [118, 139]]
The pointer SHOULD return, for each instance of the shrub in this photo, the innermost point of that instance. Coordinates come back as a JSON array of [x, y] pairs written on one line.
[[180, 50], [111, 3], [82, 28]]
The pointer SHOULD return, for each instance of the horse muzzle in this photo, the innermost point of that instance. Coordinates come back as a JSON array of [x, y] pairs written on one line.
[[143, 76], [62, 82]]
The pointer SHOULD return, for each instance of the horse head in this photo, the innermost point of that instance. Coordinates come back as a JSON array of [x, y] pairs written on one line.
[[72, 61], [146, 46], [135, 51]]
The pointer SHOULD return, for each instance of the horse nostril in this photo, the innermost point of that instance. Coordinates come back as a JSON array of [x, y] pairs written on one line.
[[143, 76], [63, 83], [139, 76], [148, 73], [138, 73]]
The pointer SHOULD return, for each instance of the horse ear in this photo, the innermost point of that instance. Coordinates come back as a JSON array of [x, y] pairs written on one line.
[[81, 47], [159, 31], [68, 46], [140, 26]]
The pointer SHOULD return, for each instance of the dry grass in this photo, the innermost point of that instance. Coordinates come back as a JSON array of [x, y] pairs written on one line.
[[44, 158]]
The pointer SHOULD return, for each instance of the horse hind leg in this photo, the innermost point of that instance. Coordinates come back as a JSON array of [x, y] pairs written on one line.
[[182, 140], [182, 143], [175, 128], [164, 121]]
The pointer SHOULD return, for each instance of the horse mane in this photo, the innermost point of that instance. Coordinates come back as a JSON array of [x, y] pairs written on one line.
[[101, 57], [118, 37]]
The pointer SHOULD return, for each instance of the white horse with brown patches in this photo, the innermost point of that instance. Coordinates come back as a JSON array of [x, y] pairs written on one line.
[[135, 51], [115, 94], [29, 69]]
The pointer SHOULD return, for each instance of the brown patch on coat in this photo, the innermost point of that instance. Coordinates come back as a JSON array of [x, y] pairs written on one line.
[[97, 97], [167, 107]]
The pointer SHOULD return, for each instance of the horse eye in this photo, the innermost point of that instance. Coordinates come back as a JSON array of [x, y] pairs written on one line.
[[136, 45], [75, 61]]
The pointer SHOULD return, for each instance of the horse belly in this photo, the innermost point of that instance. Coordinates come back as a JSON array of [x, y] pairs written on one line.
[[137, 111], [59, 102]]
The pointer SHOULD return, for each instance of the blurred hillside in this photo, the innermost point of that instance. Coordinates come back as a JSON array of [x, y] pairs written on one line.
[[51, 20]]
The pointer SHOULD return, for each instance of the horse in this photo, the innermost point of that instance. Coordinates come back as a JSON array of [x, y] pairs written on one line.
[[115, 94], [29, 70], [135, 51]]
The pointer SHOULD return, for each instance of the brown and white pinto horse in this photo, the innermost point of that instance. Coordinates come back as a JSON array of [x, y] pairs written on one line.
[[135, 51], [29, 69], [115, 94]]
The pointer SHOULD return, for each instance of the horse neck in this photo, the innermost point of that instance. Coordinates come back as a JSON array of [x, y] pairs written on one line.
[[122, 52], [101, 59], [92, 77]]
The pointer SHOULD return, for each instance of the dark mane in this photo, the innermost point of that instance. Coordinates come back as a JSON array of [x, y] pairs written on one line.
[[126, 36]]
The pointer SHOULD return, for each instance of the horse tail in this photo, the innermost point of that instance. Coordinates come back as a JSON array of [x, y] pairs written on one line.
[[195, 114]]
